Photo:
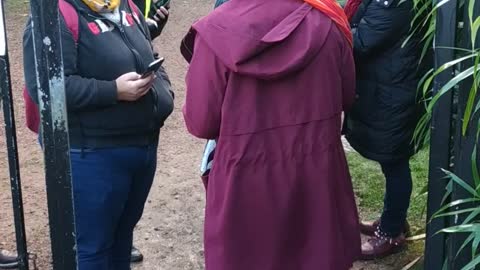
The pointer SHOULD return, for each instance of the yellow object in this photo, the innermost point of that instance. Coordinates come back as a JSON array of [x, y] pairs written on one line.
[[148, 5], [102, 5]]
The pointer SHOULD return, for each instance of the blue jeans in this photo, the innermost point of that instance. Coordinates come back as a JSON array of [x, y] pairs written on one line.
[[110, 188], [397, 197]]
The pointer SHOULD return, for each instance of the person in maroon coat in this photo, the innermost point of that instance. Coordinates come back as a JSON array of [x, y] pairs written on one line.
[[279, 76]]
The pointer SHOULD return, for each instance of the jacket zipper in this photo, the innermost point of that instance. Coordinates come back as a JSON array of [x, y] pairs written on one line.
[[153, 91], [130, 46]]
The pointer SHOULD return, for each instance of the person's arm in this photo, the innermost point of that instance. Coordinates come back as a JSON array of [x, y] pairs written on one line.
[[80, 92], [205, 92], [383, 23], [157, 23], [162, 74], [155, 28]]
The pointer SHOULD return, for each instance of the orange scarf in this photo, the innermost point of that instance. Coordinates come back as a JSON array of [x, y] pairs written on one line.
[[333, 10]]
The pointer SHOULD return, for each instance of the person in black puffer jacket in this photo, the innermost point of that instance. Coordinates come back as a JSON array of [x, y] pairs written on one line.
[[381, 124]]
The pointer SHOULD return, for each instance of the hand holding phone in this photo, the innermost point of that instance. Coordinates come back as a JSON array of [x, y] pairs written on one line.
[[159, 10], [153, 67], [130, 87]]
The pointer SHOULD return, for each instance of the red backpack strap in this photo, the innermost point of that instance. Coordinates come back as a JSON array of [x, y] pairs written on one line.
[[32, 114], [134, 8], [70, 16]]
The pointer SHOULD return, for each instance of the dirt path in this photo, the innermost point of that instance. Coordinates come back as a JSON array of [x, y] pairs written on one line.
[[170, 232]]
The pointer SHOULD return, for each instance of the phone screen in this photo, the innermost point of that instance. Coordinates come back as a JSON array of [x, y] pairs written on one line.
[[153, 67]]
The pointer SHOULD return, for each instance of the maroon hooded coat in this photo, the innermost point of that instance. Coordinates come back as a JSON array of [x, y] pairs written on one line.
[[269, 80]]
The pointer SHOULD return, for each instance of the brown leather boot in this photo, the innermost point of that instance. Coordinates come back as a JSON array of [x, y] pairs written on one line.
[[379, 246], [369, 228]]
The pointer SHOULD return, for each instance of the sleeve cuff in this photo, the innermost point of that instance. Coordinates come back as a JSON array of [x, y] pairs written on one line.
[[155, 30], [106, 92]]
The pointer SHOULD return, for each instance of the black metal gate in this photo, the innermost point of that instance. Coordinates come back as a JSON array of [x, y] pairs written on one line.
[[50, 78], [449, 148], [11, 140]]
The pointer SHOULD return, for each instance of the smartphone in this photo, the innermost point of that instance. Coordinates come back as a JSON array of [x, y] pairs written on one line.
[[153, 67], [157, 5], [162, 3]]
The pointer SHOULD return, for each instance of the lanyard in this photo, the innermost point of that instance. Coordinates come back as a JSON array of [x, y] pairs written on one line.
[[148, 5]]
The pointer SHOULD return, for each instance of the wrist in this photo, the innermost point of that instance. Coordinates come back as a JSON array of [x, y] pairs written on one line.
[[107, 92]]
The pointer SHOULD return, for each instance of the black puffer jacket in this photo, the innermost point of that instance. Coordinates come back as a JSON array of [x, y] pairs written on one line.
[[381, 123]]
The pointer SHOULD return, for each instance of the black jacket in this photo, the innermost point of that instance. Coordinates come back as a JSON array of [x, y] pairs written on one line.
[[384, 116], [141, 4], [105, 51]]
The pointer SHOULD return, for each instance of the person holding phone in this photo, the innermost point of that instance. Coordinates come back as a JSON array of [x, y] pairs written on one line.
[[156, 13], [114, 121]]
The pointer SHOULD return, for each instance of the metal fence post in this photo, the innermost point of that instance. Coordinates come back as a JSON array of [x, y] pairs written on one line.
[[51, 93], [441, 146], [11, 139], [463, 150]]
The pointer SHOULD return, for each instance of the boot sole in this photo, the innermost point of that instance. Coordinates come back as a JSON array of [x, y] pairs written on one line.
[[378, 257], [13, 265], [136, 259]]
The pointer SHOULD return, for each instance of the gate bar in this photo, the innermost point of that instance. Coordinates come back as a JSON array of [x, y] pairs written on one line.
[[51, 96], [11, 140], [463, 149], [440, 140]]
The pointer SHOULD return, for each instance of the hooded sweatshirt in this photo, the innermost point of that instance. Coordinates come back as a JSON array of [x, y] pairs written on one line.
[[106, 49]]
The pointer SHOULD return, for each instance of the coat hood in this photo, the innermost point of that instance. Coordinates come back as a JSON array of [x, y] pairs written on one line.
[[266, 39]]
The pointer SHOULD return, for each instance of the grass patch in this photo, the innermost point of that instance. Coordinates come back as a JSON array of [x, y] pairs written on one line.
[[369, 185]]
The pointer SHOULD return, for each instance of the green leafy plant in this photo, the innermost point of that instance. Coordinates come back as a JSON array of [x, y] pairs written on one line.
[[466, 71], [424, 19]]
